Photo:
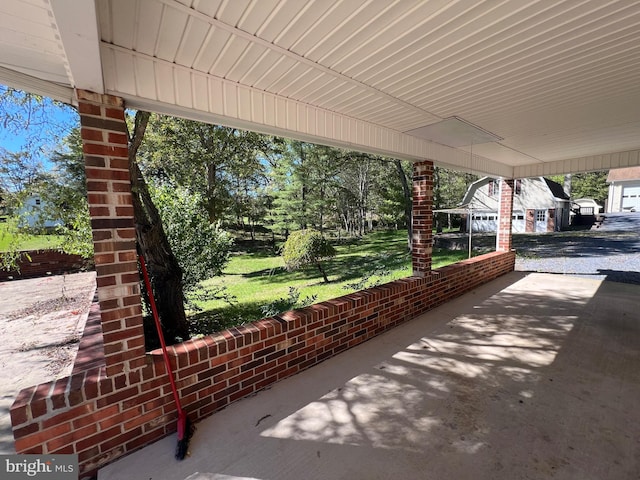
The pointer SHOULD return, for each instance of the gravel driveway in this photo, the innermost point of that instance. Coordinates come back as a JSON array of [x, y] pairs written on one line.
[[609, 252]]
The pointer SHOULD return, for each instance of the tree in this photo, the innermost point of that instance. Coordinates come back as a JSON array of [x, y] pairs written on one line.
[[290, 184], [307, 247], [590, 185], [19, 173], [449, 187], [39, 121], [65, 195], [163, 266], [202, 248], [219, 163]]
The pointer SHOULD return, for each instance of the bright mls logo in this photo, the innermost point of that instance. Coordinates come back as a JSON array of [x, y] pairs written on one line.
[[51, 467]]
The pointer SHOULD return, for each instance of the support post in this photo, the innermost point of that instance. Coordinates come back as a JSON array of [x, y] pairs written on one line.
[[422, 218], [504, 237], [105, 148]]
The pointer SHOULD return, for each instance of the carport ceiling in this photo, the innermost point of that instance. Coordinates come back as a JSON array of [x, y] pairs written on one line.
[[522, 87]]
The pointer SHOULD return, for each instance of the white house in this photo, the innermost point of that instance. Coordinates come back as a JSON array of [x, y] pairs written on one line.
[[624, 190], [539, 205], [32, 212]]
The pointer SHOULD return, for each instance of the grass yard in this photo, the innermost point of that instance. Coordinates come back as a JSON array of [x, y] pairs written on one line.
[[256, 279], [27, 242]]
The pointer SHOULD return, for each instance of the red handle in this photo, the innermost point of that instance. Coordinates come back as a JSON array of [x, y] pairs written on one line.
[[156, 318]]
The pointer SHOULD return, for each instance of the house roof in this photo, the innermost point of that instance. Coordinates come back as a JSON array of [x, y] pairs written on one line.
[[623, 174], [556, 189], [514, 89]]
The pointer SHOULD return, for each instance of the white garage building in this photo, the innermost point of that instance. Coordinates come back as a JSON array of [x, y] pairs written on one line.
[[624, 190], [539, 205]]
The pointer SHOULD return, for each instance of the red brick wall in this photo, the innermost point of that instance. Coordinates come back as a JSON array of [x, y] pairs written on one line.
[[102, 418], [46, 262]]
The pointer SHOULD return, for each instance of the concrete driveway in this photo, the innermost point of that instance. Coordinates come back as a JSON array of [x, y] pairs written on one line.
[[532, 376]]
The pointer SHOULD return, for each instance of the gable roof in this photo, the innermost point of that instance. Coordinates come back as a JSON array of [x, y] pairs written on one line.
[[622, 174], [556, 189]]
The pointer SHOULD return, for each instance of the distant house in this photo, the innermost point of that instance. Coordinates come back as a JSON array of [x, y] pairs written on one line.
[[32, 211], [539, 205], [624, 190]]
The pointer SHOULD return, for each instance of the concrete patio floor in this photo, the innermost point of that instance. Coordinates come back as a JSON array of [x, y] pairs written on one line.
[[532, 376]]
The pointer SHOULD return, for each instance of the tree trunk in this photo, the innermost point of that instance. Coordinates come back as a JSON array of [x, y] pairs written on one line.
[[567, 184], [408, 205], [164, 270], [324, 274]]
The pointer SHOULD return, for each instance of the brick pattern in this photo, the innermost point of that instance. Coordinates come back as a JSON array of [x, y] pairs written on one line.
[[105, 147], [90, 350], [40, 263], [551, 220], [101, 418], [422, 221], [504, 238]]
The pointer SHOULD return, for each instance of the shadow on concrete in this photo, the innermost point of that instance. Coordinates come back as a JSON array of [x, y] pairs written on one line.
[[531, 376]]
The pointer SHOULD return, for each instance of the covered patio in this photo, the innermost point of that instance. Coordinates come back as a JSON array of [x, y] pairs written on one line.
[[505, 89], [529, 376]]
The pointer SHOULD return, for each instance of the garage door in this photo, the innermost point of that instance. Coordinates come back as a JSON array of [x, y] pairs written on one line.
[[631, 199]]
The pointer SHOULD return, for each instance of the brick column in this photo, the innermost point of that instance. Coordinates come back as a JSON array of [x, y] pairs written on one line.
[[105, 147], [422, 218], [504, 238]]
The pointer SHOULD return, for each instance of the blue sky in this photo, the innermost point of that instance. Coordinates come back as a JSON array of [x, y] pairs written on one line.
[[37, 127]]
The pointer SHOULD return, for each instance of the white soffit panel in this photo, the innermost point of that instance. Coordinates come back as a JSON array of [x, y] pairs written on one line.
[[544, 82], [454, 132]]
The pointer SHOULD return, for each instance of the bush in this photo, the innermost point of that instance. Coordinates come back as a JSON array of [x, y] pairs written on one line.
[[307, 247], [202, 248]]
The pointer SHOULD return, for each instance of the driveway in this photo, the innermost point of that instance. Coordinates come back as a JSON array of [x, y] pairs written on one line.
[[610, 251]]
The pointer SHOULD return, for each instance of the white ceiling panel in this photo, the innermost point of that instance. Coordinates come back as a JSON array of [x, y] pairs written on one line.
[[212, 46], [556, 80], [231, 11], [172, 30], [207, 7], [149, 30]]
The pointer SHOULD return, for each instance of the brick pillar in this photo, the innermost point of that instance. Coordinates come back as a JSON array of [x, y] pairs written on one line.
[[105, 147], [504, 238], [422, 218]]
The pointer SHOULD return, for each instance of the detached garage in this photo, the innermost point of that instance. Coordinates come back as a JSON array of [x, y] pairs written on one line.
[[539, 205], [624, 190]]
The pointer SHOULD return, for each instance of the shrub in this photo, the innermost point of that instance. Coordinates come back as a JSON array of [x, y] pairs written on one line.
[[307, 247]]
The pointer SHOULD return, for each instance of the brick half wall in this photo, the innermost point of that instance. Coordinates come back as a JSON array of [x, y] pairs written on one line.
[[40, 263], [102, 418]]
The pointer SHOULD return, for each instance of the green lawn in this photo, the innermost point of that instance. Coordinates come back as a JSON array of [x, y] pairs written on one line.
[[256, 279], [27, 242]]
